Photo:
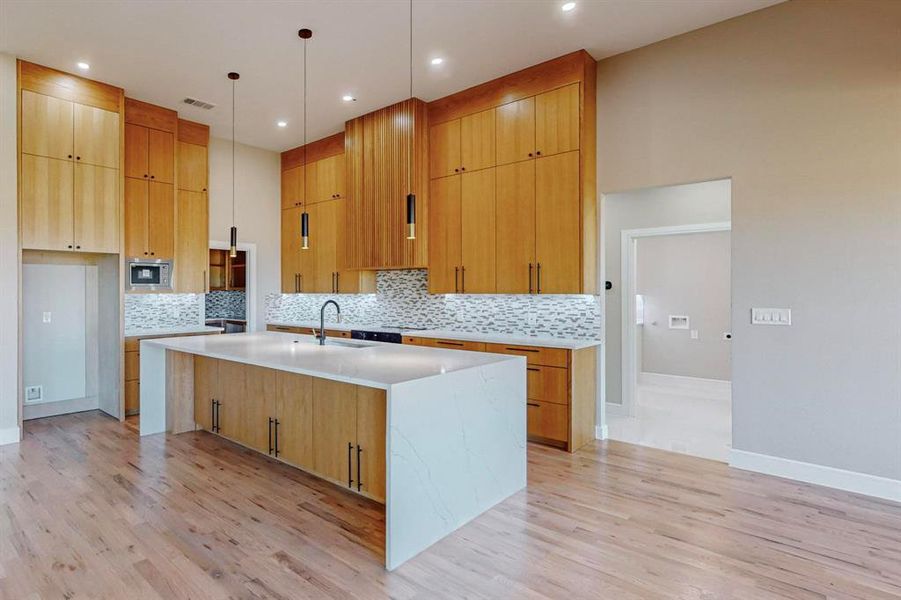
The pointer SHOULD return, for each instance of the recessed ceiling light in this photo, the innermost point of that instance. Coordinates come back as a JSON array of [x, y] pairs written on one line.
[[568, 6], [348, 98], [84, 66], [437, 61], [282, 123]]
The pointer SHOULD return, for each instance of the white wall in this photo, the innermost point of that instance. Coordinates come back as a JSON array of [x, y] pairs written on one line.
[[9, 261], [257, 212], [685, 274], [799, 104], [706, 202]]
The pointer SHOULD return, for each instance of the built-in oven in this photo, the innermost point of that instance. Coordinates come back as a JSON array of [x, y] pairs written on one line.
[[153, 275]]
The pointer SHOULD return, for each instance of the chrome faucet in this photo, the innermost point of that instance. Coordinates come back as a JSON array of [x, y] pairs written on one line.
[[322, 319]]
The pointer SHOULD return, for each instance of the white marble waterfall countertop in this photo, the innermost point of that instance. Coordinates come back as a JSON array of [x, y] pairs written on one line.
[[373, 364], [491, 338], [165, 331]]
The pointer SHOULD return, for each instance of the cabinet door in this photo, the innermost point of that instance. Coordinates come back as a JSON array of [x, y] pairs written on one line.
[[515, 131], [445, 235], [47, 126], [192, 242], [516, 228], [294, 411], [324, 246], [161, 156], [192, 167], [479, 253], [331, 177], [347, 281], [206, 389], [232, 398], [557, 230], [477, 141], [258, 407], [136, 214], [291, 250], [96, 209], [161, 220], [292, 187], [137, 148], [557, 121], [47, 220], [370, 450], [547, 420], [335, 427], [444, 149], [96, 136]]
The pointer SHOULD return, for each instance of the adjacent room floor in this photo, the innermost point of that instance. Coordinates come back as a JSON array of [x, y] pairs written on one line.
[[91, 510], [681, 416]]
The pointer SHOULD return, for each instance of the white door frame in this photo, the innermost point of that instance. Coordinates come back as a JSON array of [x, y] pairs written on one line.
[[250, 283], [628, 240]]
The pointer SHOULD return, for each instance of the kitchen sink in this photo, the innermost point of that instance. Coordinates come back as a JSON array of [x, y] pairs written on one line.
[[335, 342]]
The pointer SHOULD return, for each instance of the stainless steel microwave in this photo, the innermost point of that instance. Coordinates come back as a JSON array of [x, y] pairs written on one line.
[[153, 275]]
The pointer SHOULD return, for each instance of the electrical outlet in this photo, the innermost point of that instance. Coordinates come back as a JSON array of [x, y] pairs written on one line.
[[771, 316], [34, 393], [46, 316], [727, 335], [694, 334]]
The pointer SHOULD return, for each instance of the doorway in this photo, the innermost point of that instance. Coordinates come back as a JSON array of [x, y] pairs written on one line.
[[231, 301], [668, 315]]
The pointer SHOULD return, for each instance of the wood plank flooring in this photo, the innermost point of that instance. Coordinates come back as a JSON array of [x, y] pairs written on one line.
[[89, 510]]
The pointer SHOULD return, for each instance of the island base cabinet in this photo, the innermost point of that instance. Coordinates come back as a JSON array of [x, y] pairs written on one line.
[[292, 427], [258, 408], [206, 377]]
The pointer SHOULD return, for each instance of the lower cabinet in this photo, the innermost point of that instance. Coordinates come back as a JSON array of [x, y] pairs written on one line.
[[334, 430]]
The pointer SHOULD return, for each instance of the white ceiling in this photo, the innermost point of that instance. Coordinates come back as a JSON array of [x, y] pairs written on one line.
[[162, 51]]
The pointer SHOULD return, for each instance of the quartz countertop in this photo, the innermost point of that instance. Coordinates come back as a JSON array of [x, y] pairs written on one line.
[[377, 365], [168, 331], [492, 338]]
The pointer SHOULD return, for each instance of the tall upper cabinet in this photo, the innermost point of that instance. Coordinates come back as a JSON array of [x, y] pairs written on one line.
[[149, 180], [512, 169], [192, 231], [70, 162]]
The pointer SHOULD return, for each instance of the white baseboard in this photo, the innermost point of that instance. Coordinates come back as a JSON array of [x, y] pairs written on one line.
[[600, 432], [10, 435], [850, 481]]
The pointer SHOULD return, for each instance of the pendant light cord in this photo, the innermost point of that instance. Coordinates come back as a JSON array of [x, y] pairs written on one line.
[[305, 104], [233, 152], [412, 110]]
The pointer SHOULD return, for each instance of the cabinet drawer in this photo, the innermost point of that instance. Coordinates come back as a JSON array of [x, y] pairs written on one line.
[[336, 333], [132, 366], [549, 357], [548, 384], [454, 344], [547, 420], [132, 397], [288, 329], [410, 340]]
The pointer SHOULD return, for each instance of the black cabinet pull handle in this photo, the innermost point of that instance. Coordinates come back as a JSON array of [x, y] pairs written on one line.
[[530, 154], [69, 246], [539, 278], [276, 437], [350, 481], [146, 175], [270, 435], [457, 170], [530, 278], [449, 343], [463, 279], [218, 416], [70, 156], [337, 282], [301, 282], [456, 279], [533, 404], [520, 349], [212, 415], [538, 152], [359, 478], [536, 369]]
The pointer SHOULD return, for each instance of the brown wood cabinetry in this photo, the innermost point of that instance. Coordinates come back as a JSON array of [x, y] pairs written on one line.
[[561, 388], [290, 254], [541, 235], [69, 177], [293, 187], [332, 429], [324, 179], [192, 221]]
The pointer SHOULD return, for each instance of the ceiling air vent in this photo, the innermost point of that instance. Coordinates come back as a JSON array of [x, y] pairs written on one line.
[[199, 103]]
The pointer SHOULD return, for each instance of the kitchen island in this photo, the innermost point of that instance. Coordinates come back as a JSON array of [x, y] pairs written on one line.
[[438, 436]]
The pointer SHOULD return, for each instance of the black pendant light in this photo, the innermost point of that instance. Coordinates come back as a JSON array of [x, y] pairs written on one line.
[[305, 34], [411, 196], [233, 234]]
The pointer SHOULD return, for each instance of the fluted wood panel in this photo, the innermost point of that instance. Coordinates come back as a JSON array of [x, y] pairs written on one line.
[[377, 150]]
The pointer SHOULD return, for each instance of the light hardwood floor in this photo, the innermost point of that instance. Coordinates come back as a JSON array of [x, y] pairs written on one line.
[[87, 510]]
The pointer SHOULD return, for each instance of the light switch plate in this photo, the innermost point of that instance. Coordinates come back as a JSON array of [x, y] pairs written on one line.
[[694, 334], [45, 317], [771, 316]]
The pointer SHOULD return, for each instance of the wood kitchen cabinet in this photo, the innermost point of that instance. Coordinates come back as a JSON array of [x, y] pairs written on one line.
[[48, 209], [206, 391], [47, 126], [462, 145], [558, 224], [557, 122], [149, 219], [515, 131], [324, 180], [290, 254], [445, 230], [149, 153], [96, 209], [294, 413], [96, 136], [293, 187], [258, 408], [444, 149], [516, 228], [192, 223]]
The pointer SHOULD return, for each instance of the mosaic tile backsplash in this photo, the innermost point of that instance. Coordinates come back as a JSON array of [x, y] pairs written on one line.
[[155, 311], [402, 298], [225, 305]]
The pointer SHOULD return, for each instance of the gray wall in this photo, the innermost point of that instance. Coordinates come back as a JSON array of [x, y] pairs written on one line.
[[9, 256], [685, 275], [799, 105], [707, 202]]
